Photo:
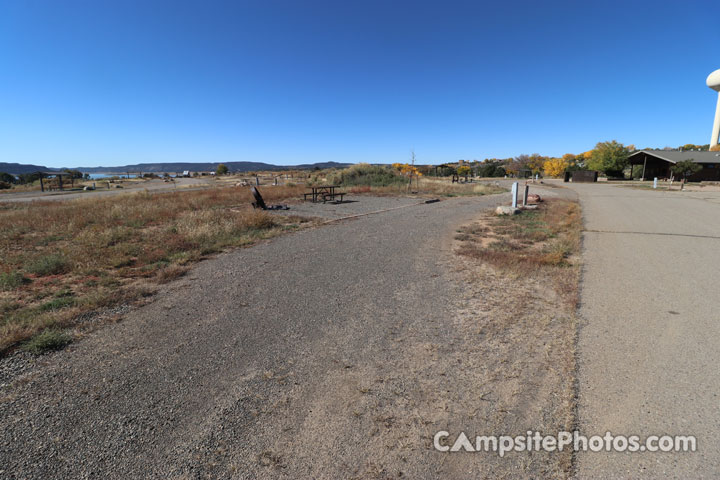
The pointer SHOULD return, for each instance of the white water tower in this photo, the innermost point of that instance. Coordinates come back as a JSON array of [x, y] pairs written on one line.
[[713, 81]]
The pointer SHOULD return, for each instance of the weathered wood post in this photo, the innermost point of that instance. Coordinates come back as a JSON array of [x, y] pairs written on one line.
[[525, 195], [514, 194], [642, 179]]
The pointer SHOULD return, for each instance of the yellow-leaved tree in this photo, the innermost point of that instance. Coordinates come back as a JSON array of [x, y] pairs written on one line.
[[464, 171], [555, 167], [407, 169]]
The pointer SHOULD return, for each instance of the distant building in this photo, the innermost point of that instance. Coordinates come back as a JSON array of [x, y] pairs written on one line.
[[657, 163]]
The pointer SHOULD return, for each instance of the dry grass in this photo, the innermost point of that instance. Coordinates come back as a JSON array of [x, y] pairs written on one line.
[[522, 280], [543, 242], [60, 260], [432, 186]]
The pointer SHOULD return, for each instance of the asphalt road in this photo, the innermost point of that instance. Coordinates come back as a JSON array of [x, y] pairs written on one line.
[[244, 367], [648, 343]]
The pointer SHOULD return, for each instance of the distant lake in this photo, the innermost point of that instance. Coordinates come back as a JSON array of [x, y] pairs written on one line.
[[99, 176]]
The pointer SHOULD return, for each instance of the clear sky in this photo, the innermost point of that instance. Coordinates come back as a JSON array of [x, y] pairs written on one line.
[[103, 82]]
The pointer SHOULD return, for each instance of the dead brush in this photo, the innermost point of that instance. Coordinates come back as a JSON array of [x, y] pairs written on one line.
[[257, 219], [170, 273], [360, 189]]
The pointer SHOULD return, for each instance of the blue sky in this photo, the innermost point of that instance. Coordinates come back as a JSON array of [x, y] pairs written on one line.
[[88, 83]]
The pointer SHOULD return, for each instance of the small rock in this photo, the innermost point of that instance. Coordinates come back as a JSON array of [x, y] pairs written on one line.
[[534, 198], [506, 210]]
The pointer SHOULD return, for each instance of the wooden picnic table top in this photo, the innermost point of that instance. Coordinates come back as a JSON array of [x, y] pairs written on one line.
[[323, 192]]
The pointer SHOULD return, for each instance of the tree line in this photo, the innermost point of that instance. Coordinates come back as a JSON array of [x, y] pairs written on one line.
[[610, 158]]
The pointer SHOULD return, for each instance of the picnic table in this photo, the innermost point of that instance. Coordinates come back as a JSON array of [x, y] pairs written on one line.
[[324, 193]]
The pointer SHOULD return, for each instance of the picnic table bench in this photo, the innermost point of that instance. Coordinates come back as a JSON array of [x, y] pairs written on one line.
[[324, 193]]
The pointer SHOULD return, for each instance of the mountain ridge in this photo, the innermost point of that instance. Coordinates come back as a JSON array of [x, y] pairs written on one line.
[[171, 167]]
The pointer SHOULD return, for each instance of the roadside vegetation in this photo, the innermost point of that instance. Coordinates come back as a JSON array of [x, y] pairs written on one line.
[[364, 174], [519, 306], [543, 242], [62, 260], [399, 179]]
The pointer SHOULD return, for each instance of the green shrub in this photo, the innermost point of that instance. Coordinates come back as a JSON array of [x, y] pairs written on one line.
[[57, 304], [366, 174], [47, 340], [49, 265], [11, 280]]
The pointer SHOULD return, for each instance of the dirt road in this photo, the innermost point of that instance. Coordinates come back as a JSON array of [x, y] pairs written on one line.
[[245, 366], [155, 186], [648, 342]]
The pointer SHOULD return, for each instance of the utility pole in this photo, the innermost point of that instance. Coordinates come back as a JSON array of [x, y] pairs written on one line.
[[412, 171]]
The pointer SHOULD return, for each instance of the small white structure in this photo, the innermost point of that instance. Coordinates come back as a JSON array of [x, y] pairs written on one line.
[[713, 81]]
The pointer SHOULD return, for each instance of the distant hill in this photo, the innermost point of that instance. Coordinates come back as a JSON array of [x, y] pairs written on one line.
[[17, 168]]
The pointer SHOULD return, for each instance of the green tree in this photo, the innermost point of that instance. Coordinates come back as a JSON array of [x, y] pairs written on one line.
[[222, 169], [609, 157], [686, 168], [7, 178], [74, 173], [29, 177], [491, 167]]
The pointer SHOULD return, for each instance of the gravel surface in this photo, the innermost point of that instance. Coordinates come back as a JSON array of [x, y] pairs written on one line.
[[333, 352], [351, 205]]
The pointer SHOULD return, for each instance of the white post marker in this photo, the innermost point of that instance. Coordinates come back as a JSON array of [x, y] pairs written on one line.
[[514, 194], [655, 183]]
